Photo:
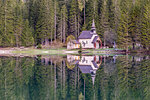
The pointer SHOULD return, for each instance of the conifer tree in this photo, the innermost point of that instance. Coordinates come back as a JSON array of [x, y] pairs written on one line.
[[134, 31], [145, 35], [7, 23], [1, 10], [51, 19], [97, 13], [33, 12], [43, 25], [55, 19], [116, 15], [123, 32], [89, 11], [60, 26], [64, 23], [73, 18], [27, 36], [18, 23], [110, 8], [104, 21]]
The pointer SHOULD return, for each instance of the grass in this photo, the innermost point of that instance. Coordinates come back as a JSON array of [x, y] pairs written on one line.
[[61, 51], [40, 51], [111, 49]]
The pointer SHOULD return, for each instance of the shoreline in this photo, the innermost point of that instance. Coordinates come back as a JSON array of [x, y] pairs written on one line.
[[59, 51]]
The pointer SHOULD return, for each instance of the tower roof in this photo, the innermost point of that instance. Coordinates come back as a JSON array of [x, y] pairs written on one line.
[[93, 24], [93, 28]]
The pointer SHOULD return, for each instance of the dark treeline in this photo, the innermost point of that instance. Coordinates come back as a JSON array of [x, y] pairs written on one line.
[[32, 22]]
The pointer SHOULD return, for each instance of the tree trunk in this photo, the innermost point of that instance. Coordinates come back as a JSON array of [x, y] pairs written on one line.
[[64, 29], [76, 26], [42, 42], [61, 75], [55, 81], [46, 41], [133, 2], [16, 35], [5, 19], [84, 88], [55, 23], [104, 41], [127, 49], [84, 11], [133, 46], [61, 37], [64, 74], [75, 79], [78, 77], [116, 15]]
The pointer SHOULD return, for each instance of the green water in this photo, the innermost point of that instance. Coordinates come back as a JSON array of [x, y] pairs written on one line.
[[75, 78]]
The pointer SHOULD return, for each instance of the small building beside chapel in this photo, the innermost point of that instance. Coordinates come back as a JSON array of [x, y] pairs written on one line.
[[87, 39]]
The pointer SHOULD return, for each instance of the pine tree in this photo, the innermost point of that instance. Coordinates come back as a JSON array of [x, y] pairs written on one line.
[[33, 12], [60, 26], [116, 15], [55, 19], [110, 37], [18, 23], [51, 19], [7, 23], [123, 32], [64, 23], [61, 19], [73, 18], [1, 10], [104, 21], [27, 36], [110, 8], [89, 11], [43, 25], [145, 36], [134, 31]]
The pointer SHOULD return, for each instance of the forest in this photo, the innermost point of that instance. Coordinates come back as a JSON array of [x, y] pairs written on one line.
[[32, 22]]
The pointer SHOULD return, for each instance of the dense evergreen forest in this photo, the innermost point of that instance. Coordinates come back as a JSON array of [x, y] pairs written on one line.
[[31, 22]]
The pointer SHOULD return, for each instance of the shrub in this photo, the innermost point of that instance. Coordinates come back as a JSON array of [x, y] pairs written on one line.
[[39, 46], [80, 51], [70, 37]]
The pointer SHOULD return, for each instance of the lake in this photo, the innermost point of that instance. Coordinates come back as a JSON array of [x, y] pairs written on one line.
[[75, 77]]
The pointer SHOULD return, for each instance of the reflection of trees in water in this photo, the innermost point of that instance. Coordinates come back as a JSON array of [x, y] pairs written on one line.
[[145, 78], [106, 80], [109, 66], [30, 79], [131, 79], [14, 77]]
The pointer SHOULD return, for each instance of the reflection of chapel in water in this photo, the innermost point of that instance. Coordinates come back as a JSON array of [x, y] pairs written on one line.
[[86, 64]]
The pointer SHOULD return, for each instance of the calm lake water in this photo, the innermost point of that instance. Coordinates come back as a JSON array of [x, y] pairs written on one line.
[[70, 77]]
